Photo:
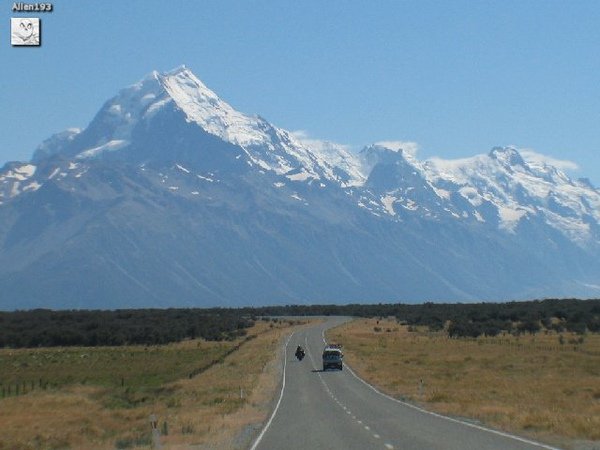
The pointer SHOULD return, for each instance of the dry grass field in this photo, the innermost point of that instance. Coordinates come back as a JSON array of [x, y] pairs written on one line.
[[532, 385], [102, 398]]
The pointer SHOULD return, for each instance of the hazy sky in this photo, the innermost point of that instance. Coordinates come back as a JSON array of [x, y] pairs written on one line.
[[456, 77]]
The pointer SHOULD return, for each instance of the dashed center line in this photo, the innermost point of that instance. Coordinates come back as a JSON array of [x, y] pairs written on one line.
[[360, 422]]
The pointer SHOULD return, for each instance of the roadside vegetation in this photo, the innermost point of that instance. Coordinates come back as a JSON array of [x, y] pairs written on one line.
[[470, 319], [47, 328], [205, 394], [541, 383]]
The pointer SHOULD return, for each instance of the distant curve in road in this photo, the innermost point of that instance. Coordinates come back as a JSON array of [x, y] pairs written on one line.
[[338, 410]]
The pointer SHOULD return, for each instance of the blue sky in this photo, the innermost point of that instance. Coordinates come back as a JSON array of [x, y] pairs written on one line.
[[456, 77]]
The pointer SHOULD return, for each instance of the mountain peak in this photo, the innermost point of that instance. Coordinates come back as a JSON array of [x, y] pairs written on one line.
[[54, 144], [178, 70], [509, 156], [204, 107], [187, 90], [161, 98], [384, 151]]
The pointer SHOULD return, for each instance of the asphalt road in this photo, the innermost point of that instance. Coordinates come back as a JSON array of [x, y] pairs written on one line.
[[337, 410]]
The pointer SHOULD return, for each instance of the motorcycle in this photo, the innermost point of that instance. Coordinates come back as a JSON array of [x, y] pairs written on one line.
[[300, 354]]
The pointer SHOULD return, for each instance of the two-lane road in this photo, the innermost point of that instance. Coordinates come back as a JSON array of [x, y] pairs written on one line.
[[337, 410]]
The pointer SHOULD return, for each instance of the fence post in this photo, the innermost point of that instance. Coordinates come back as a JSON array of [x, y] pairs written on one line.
[[155, 432]]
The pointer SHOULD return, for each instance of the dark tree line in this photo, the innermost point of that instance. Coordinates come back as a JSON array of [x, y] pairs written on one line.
[[46, 328], [471, 319]]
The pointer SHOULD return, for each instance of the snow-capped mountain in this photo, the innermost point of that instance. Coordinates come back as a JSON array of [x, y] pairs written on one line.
[[172, 197], [499, 188], [114, 130]]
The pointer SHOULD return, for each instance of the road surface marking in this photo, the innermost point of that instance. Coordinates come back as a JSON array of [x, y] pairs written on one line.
[[375, 435], [472, 425], [262, 433]]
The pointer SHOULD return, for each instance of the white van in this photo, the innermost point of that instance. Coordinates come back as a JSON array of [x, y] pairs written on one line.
[[332, 357]]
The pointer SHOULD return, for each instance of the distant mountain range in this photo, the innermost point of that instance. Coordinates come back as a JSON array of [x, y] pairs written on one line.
[[170, 197]]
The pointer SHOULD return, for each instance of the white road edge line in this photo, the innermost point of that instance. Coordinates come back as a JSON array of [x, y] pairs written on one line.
[[472, 425], [264, 430]]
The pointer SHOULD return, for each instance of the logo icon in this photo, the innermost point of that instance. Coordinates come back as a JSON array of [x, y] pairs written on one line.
[[25, 31]]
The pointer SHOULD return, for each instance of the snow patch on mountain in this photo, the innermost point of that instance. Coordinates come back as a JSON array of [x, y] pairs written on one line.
[[113, 145], [183, 169], [17, 178], [19, 172], [122, 113], [510, 217], [201, 177], [300, 176], [336, 155], [538, 160], [388, 203], [33, 186], [203, 106]]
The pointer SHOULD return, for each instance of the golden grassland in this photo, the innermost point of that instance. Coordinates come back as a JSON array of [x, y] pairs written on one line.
[[532, 385], [102, 398]]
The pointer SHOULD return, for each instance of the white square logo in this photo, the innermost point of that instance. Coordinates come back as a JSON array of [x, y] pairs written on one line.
[[25, 31]]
